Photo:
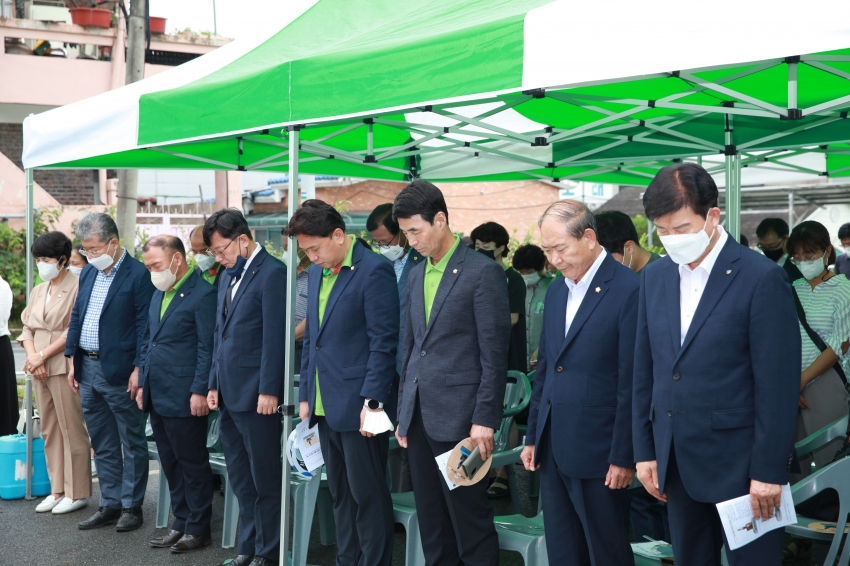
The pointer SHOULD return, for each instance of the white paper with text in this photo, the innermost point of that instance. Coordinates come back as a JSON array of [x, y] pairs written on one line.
[[742, 528]]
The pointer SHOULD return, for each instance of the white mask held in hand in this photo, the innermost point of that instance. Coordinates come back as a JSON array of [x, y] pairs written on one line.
[[809, 269], [75, 270], [531, 279], [392, 253], [47, 271], [103, 261], [204, 261], [686, 248], [164, 280]]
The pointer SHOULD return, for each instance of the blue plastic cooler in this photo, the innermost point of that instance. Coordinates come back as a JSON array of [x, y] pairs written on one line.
[[13, 458]]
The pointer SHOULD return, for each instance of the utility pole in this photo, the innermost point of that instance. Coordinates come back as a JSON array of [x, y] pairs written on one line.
[[128, 179]]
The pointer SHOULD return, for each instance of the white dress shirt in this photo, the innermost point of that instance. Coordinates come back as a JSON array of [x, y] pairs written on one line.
[[5, 306], [692, 283], [247, 263], [579, 290]]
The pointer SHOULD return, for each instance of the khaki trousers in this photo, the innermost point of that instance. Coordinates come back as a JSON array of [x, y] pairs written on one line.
[[66, 440]]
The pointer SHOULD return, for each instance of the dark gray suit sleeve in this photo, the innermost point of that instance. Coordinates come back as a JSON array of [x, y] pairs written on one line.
[[407, 346], [622, 450], [493, 323]]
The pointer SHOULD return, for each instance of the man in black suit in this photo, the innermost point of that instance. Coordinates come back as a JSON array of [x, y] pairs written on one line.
[[173, 387], [246, 379], [453, 377]]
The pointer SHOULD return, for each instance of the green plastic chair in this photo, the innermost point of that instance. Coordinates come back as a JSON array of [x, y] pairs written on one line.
[[822, 437], [517, 398], [517, 532]]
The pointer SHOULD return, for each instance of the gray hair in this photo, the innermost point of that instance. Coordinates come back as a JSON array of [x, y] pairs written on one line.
[[573, 214], [97, 224]]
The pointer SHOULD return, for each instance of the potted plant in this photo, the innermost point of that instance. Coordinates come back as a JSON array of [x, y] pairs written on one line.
[[88, 13]]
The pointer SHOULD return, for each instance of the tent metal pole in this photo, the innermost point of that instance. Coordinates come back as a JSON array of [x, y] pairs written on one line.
[[790, 210], [733, 183], [294, 199], [28, 388]]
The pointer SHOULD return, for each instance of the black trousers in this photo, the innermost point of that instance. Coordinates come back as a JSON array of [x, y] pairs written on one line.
[[251, 444], [698, 535], [456, 526], [183, 457], [356, 467], [586, 522]]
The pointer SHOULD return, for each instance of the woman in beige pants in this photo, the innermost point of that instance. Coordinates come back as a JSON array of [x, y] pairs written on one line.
[[46, 319]]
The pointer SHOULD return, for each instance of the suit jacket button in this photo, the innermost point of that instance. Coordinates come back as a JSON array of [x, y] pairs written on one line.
[[422, 353], [559, 369], [318, 347], [154, 343], [415, 380], [676, 376], [670, 413], [548, 401], [224, 337]]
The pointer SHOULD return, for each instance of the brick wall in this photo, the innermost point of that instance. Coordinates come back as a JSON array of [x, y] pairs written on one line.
[[68, 186]]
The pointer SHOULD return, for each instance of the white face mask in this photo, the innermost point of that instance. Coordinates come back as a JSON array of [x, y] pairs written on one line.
[[813, 268], [164, 280], [205, 262], [531, 279], [686, 248], [75, 270], [102, 261], [47, 271], [392, 253]]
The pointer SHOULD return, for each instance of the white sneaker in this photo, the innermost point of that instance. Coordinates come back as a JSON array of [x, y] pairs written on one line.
[[48, 504], [67, 505]]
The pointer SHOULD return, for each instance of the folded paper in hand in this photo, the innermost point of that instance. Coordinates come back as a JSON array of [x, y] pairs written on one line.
[[377, 422], [736, 516]]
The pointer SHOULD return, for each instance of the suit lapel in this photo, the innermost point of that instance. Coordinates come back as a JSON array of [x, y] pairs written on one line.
[[246, 279], [595, 291], [453, 271], [722, 275], [120, 276], [672, 299], [58, 293], [156, 307], [342, 279], [178, 298]]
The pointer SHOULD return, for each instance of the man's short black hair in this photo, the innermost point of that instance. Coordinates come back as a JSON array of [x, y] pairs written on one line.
[[382, 216], [614, 229], [55, 245], [422, 198], [679, 186], [775, 225], [168, 243], [315, 218], [529, 256], [491, 232], [844, 231], [228, 222]]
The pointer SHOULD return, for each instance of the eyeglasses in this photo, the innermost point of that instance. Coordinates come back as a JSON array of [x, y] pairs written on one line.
[[214, 254], [93, 252], [775, 247], [796, 261]]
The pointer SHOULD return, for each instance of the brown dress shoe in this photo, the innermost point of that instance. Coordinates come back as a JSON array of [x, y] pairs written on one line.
[[188, 543], [166, 540]]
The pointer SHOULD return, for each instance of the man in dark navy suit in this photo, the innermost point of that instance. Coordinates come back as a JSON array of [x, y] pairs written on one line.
[[173, 387], [717, 375], [246, 379], [347, 371], [105, 338], [579, 421]]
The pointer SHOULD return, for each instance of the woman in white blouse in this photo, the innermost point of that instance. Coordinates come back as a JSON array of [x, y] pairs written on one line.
[[825, 299], [8, 384]]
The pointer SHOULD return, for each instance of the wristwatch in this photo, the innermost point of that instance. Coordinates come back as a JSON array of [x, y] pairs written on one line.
[[372, 404]]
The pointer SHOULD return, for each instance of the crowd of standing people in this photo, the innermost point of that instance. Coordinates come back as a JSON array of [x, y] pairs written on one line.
[[680, 371]]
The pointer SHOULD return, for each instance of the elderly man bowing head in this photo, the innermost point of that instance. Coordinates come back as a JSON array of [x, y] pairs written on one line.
[[579, 421]]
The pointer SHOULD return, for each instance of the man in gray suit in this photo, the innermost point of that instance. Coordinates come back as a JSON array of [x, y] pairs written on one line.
[[453, 375]]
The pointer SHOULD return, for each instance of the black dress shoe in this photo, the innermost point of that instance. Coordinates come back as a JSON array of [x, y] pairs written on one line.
[[260, 561], [104, 516], [166, 540], [240, 560], [188, 543], [131, 519]]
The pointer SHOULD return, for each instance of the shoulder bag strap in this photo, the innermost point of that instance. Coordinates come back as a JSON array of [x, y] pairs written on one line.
[[821, 345]]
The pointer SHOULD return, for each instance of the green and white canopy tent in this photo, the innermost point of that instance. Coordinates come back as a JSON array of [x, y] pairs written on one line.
[[607, 91]]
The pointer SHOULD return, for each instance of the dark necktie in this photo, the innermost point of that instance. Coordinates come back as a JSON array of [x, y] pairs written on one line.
[[229, 297]]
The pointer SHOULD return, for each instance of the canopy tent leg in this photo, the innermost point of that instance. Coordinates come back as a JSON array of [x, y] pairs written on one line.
[[28, 389], [790, 210], [294, 199], [733, 184]]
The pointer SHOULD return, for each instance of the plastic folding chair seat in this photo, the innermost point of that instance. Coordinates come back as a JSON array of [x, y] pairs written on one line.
[[404, 512], [517, 398]]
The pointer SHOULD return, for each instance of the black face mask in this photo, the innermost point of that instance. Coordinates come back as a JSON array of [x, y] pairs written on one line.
[[489, 253], [773, 255]]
